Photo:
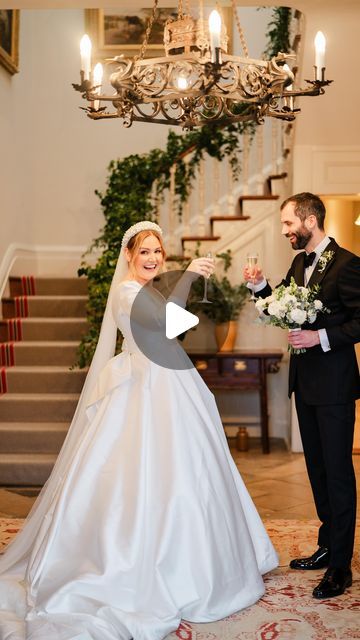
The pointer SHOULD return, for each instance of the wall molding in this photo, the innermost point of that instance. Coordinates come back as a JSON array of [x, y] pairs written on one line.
[[327, 170]]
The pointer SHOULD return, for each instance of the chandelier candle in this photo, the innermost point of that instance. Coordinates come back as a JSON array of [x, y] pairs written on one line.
[[97, 79], [85, 54], [290, 100], [215, 31], [320, 46]]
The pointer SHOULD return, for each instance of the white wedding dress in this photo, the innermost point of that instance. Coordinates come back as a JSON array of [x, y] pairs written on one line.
[[151, 523]]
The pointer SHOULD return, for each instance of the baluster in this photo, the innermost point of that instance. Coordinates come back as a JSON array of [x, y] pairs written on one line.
[[260, 159], [171, 221], [201, 198], [274, 146], [245, 163], [186, 205], [230, 194], [216, 189]]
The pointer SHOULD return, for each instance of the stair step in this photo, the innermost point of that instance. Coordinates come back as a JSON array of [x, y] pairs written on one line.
[[199, 239], [32, 437], [25, 469], [37, 407], [261, 198], [227, 218], [44, 379], [45, 353], [42, 329], [278, 176], [174, 258], [44, 306], [268, 187], [21, 286]]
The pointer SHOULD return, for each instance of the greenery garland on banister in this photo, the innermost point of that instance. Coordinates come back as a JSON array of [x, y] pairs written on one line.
[[129, 196]]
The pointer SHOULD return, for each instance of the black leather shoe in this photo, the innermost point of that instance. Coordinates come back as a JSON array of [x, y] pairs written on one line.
[[318, 560], [334, 583]]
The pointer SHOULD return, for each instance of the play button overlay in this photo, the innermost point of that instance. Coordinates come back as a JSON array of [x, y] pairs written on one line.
[[158, 318], [178, 320]]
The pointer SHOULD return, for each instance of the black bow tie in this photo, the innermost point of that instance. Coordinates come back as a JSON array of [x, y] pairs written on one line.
[[309, 259]]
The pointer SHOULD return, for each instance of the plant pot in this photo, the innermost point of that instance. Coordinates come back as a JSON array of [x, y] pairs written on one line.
[[225, 335]]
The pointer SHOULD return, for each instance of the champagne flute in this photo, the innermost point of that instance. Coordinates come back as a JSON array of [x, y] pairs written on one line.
[[205, 298], [251, 260]]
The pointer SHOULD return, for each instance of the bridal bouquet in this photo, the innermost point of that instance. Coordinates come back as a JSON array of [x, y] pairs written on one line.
[[290, 307]]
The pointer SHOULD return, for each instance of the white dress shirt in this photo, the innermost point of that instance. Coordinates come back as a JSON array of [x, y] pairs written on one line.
[[324, 341]]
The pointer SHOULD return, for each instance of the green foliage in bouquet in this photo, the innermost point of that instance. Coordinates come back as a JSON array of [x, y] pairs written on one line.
[[227, 300]]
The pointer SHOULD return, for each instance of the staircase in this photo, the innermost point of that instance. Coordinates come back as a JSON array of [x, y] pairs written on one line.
[[42, 322]]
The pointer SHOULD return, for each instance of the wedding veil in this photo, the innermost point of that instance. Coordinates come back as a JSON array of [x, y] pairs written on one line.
[[14, 560]]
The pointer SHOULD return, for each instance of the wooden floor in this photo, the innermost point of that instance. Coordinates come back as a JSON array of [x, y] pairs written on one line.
[[277, 482]]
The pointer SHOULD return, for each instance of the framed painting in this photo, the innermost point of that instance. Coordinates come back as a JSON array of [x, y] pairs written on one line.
[[9, 39], [121, 31]]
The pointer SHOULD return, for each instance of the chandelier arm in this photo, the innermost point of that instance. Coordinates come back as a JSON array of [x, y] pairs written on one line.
[[149, 27]]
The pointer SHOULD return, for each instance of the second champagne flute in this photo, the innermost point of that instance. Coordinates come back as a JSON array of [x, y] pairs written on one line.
[[251, 261], [205, 298]]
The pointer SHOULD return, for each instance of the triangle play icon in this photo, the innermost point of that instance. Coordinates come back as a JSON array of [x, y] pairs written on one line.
[[178, 320]]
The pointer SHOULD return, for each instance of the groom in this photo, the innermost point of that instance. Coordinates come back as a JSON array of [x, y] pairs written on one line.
[[326, 383]]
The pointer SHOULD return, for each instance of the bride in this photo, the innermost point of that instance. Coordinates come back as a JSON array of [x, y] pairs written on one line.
[[145, 519]]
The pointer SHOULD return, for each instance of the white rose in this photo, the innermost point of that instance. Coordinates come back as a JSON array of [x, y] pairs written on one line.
[[298, 316], [274, 309], [288, 298], [260, 305], [304, 292], [312, 318], [318, 304]]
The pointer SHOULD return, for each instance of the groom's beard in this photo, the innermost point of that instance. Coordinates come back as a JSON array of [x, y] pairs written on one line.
[[302, 238]]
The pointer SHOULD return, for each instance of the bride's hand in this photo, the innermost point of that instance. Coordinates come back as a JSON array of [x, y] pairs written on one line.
[[202, 266]]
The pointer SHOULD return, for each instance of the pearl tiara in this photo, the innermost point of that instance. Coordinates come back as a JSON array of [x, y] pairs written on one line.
[[144, 225]]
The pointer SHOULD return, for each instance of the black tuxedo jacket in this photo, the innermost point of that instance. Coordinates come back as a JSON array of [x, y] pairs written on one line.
[[330, 377]]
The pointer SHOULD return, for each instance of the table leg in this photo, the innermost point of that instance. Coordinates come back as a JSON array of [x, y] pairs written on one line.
[[264, 418]]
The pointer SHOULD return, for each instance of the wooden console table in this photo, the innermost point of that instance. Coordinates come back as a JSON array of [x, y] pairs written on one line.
[[243, 370]]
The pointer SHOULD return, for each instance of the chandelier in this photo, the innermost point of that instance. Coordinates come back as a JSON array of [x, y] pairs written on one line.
[[196, 82]]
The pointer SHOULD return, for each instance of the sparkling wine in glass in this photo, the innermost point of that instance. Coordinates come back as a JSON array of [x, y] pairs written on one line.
[[251, 261], [205, 298]]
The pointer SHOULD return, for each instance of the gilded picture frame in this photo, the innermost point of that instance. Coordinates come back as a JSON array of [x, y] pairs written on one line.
[[9, 39], [121, 31]]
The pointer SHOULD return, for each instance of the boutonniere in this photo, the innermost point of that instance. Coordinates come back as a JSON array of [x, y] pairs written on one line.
[[325, 257]]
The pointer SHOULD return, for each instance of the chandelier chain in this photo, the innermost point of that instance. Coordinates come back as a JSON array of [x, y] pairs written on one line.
[[180, 9], [150, 23], [240, 30], [187, 5], [201, 16]]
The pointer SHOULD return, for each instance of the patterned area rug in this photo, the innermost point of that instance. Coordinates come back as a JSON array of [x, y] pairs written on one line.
[[287, 611]]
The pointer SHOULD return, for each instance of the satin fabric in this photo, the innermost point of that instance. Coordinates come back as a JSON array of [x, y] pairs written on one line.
[[152, 522]]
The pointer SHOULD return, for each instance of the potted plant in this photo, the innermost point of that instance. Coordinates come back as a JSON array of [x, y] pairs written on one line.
[[227, 301]]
